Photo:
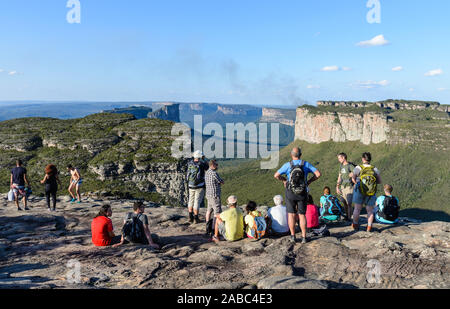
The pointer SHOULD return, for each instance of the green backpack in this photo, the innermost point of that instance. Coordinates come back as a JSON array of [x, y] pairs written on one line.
[[368, 183]]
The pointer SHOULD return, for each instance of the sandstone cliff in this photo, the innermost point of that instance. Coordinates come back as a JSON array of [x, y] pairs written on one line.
[[389, 104], [116, 154], [340, 127], [167, 111], [283, 116]]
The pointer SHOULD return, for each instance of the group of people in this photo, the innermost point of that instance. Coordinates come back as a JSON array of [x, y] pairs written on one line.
[[20, 185], [356, 187]]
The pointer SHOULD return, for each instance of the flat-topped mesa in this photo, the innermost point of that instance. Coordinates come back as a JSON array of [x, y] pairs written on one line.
[[168, 111], [388, 104], [283, 116], [315, 128]]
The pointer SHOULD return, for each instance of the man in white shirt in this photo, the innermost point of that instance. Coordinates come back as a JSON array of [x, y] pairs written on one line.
[[278, 217]]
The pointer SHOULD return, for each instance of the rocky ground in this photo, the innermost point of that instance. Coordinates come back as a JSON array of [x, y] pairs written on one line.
[[37, 250]]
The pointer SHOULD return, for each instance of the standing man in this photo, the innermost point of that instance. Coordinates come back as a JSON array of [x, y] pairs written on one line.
[[344, 186], [196, 181], [17, 184], [213, 190], [75, 183], [296, 185]]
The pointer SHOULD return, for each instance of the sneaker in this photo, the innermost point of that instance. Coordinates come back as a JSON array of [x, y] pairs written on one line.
[[19, 209], [26, 208], [369, 229], [293, 239], [196, 220], [304, 240], [79, 202], [73, 200], [355, 227], [49, 209], [191, 218]]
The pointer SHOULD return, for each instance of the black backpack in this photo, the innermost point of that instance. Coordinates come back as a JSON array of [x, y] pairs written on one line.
[[196, 173], [297, 184], [133, 229], [391, 209]]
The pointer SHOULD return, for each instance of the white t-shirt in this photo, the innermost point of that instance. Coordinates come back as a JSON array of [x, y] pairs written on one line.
[[279, 217], [357, 171]]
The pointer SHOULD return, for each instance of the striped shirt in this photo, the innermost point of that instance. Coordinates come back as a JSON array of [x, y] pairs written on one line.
[[213, 181]]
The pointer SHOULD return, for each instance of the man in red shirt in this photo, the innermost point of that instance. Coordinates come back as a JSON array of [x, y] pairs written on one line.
[[102, 228]]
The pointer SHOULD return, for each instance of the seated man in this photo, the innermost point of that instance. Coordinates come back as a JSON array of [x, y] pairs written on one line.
[[136, 228], [278, 218], [387, 207], [330, 207], [230, 223]]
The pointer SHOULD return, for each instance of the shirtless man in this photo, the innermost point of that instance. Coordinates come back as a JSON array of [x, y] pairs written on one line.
[[75, 183]]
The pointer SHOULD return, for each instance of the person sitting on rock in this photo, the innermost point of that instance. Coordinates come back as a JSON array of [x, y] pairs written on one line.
[[136, 228], [230, 223], [102, 228], [312, 214], [387, 207], [327, 202], [255, 223], [278, 218]]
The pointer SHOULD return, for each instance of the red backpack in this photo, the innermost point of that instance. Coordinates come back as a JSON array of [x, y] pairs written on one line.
[[312, 216]]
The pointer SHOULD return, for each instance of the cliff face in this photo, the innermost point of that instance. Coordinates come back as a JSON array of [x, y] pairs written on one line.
[[283, 116], [116, 154], [389, 104], [340, 127], [168, 111]]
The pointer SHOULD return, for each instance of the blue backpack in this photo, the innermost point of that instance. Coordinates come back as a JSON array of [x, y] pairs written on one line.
[[332, 209], [259, 226]]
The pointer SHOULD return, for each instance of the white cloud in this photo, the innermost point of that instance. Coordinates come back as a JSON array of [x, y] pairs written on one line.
[[12, 73], [412, 89], [313, 86], [371, 84], [1, 70], [397, 69], [379, 40], [443, 89], [332, 68], [434, 72]]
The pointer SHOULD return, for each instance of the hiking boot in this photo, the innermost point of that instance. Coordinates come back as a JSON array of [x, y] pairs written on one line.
[[191, 217], [355, 227], [293, 239], [196, 220], [26, 208], [304, 240], [369, 229], [19, 209]]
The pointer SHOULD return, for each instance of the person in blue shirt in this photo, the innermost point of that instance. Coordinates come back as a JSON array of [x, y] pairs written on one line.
[[297, 190], [380, 206]]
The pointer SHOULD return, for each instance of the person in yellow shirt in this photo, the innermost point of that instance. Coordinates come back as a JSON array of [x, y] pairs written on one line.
[[230, 224], [250, 220]]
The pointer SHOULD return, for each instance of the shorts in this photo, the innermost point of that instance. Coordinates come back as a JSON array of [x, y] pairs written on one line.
[[359, 198], [78, 183], [195, 198], [296, 204], [16, 189], [222, 230], [214, 204], [347, 194]]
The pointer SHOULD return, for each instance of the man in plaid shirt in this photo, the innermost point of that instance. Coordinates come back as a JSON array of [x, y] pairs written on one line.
[[213, 190]]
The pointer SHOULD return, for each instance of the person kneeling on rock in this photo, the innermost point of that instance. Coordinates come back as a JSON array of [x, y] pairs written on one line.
[[230, 223], [135, 229]]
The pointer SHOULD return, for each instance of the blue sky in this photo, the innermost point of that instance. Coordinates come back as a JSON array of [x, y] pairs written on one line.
[[251, 52]]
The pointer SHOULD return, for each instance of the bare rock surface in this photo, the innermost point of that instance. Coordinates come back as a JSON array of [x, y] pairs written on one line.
[[41, 249]]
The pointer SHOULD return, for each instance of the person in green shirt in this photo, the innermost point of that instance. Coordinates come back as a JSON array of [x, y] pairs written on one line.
[[230, 223]]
